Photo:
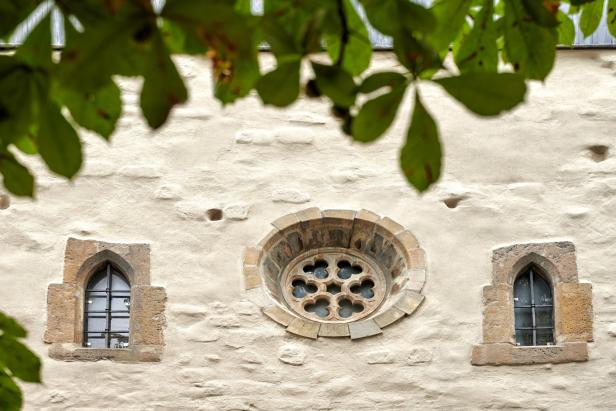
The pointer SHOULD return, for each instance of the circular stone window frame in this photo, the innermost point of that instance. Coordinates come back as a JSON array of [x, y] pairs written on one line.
[[297, 236]]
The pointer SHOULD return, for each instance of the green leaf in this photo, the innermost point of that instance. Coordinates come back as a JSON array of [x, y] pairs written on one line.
[[382, 79], [10, 326], [10, 394], [543, 12], [36, 50], [232, 39], [420, 158], [591, 17], [25, 145], [415, 54], [391, 16], [358, 49], [280, 87], [611, 17], [58, 142], [163, 87], [376, 115], [486, 94], [450, 16], [335, 83], [21, 92], [22, 362], [530, 48], [116, 45], [478, 51], [17, 180], [566, 29], [98, 111]]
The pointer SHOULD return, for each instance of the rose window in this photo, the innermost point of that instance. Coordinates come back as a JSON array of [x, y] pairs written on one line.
[[333, 285], [335, 273]]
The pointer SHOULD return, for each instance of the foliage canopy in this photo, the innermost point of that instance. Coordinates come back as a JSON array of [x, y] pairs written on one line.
[[497, 46]]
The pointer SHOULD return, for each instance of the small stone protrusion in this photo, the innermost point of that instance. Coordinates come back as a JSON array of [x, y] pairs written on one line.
[[5, 201], [292, 354], [598, 152]]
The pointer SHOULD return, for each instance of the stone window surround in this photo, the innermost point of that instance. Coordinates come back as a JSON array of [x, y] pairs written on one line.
[[65, 303], [362, 225], [573, 313]]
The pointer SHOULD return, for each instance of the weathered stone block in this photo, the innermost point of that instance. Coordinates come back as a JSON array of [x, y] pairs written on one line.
[[305, 328], [278, 314], [252, 278], [409, 301], [148, 315], [334, 330], [61, 313], [389, 316], [574, 311], [362, 329], [509, 354]]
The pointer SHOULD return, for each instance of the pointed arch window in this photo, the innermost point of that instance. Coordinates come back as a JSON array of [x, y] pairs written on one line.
[[107, 309], [533, 308]]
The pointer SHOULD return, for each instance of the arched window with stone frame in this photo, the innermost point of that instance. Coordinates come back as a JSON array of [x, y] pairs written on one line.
[[105, 308], [536, 310]]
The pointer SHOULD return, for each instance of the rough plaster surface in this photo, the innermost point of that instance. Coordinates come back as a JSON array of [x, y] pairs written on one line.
[[529, 176]]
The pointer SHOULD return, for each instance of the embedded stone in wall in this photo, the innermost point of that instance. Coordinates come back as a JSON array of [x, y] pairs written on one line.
[[236, 212], [139, 172], [254, 136], [190, 210], [290, 196], [294, 135], [168, 192], [292, 354], [378, 357], [418, 356]]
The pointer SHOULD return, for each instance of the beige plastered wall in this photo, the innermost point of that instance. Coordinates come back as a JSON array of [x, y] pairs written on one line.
[[528, 176]]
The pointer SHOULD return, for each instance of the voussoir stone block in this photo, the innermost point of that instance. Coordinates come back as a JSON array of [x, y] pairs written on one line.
[[334, 330], [305, 328], [364, 328]]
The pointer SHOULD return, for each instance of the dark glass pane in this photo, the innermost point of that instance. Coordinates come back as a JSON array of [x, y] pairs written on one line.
[[543, 316], [119, 324], [523, 317], [320, 308], [98, 281], [542, 290], [524, 337], [96, 302], [118, 340], [118, 281], [96, 323], [95, 342], [521, 290], [120, 302], [347, 308], [545, 337]]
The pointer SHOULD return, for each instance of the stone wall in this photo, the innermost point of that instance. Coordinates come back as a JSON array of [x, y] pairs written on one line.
[[540, 173]]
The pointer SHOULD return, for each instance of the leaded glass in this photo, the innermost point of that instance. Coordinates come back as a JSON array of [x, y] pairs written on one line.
[[107, 310], [533, 309]]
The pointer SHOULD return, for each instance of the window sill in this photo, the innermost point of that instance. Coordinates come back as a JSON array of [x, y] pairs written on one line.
[[75, 352], [509, 354]]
